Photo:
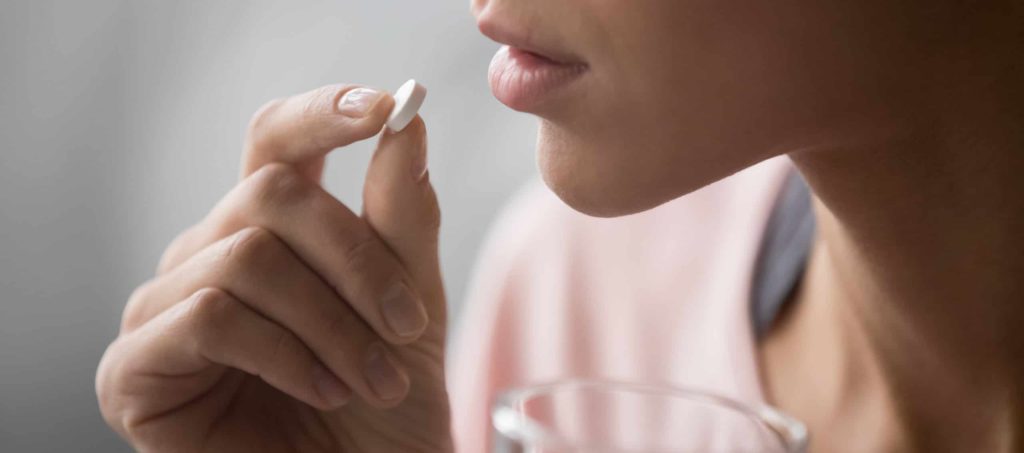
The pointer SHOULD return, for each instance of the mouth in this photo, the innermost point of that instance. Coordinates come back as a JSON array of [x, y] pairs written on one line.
[[526, 76]]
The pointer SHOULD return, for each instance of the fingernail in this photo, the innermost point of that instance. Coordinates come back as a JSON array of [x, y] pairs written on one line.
[[419, 163], [330, 388], [357, 102], [383, 375], [403, 313]]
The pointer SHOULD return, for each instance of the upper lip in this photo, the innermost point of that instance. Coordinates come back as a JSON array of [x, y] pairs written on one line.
[[509, 36]]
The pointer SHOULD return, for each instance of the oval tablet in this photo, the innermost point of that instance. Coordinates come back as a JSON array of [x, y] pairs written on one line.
[[408, 100]]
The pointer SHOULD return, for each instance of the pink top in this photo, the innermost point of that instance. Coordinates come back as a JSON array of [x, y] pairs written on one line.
[[660, 297]]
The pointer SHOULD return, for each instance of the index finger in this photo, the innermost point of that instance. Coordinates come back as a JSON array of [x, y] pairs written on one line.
[[300, 130]]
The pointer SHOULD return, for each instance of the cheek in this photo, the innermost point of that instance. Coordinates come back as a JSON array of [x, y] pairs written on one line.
[[660, 117], [756, 74], [713, 72], [685, 93]]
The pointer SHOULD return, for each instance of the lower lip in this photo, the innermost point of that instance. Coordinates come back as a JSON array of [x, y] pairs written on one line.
[[526, 82]]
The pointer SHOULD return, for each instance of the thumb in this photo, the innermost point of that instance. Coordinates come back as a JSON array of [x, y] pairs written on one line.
[[400, 204]]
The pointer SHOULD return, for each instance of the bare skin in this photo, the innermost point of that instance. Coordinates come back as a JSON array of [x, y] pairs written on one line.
[[268, 326], [905, 117], [260, 328], [906, 334]]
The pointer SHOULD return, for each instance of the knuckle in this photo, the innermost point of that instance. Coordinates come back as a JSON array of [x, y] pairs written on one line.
[[250, 248], [370, 267], [362, 256], [313, 110], [286, 347], [319, 102], [279, 184], [174, 251], [262, 117], [208, 311], [109, 377], [134, 314], [346, 325]]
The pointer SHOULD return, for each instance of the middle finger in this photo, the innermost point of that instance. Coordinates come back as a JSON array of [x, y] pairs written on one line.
[[327, 236], [259, 270]]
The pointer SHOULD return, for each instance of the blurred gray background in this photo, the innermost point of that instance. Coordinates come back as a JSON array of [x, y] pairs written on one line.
[[121, 123]]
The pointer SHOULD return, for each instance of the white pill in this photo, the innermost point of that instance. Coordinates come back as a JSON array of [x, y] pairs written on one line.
[[408, 100]]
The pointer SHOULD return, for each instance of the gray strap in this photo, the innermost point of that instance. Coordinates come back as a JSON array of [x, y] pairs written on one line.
[[782, 258]]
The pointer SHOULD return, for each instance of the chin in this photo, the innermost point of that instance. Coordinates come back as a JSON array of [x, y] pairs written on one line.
[[613, 176], [586, 200], [592, 181]]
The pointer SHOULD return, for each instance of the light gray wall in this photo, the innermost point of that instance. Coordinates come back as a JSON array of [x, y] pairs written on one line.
[[121, 123]]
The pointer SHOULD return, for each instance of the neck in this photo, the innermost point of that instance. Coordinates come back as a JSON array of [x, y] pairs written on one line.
[[916, 284]]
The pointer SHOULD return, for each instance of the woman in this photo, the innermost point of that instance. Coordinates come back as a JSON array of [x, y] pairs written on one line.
[[284, 321]]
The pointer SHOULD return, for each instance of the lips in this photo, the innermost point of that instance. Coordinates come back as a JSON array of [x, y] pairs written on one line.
[[526, 75], [525, 81]]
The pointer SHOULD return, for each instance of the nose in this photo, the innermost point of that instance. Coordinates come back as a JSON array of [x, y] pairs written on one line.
[[477, 6]]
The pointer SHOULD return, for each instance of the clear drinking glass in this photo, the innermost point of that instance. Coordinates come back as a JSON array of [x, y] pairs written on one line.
[[613, 417]]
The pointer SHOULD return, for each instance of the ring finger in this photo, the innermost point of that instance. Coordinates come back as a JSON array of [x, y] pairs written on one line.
[[257, 268]]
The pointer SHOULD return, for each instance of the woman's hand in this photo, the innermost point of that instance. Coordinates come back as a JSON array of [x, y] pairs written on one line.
[[284, 321]]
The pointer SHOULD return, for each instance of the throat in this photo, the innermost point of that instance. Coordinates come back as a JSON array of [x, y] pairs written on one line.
[[907, 324], [863, 377]]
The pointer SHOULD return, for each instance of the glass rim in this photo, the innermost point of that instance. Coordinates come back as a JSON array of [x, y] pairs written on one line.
[[512, 423]]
